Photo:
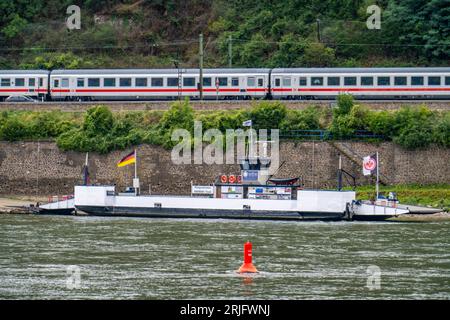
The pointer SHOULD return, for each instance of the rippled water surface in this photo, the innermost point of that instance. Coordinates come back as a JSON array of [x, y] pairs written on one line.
[[130, 258]]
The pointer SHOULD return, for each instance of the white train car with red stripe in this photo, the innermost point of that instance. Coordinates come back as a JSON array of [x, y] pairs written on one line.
[[363, 83], [31, 83], [158, 83]]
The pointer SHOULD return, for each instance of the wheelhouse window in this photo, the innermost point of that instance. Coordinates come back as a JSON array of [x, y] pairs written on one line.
[[141, 82], [286, 81], [65, 83], [350, 81], [94, 82], [251, 81], [334, 81], [367, 81], [235, 82], [317, 81], [207, 82], [417, 81], [80, 82], [434, 81], [384, 81], [400, 81], [157, 82], [125, 82], [31, 82], [189, 82], [109, 82], [302, 81], [20, 82]]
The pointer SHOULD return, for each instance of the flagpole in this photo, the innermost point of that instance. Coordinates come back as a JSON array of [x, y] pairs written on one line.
[[135, 164], [378, 173]]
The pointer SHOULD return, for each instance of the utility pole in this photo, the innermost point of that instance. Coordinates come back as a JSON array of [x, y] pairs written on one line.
[[200, 85], [318, 30], [230, 51]]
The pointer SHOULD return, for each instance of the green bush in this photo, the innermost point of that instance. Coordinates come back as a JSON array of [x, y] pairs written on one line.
[[13, 130], [308, 119], [267, 115]]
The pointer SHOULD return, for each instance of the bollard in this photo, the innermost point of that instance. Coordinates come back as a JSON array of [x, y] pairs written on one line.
[[247, 266]]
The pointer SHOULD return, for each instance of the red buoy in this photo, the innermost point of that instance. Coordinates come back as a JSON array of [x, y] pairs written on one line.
[[232, 178], [223, 178], [247, 266]]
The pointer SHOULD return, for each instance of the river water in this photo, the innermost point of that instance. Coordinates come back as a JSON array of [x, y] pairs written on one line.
[[45, 257]]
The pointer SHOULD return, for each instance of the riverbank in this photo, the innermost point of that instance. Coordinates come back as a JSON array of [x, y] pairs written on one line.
[[18, 204]]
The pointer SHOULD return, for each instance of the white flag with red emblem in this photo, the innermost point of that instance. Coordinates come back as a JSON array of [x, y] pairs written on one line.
[[370, 165]]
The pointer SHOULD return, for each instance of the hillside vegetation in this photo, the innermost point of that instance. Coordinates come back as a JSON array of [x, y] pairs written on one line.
[[153, 33], [100, 130]]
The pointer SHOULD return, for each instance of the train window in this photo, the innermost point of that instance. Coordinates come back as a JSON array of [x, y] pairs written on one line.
[[447, 81], [80, 82], [41, 82], [317, 81], [400, 81], [109, 82], [207, 82], [223, 81], [93, 82], [251, 81], [6, 82], [260, 82], [189, 82], [65, 83], [235, 82], [31, 82], [384, 81], [141, 82], [125, 82], [56, 83], [349, 81], [333, 81], [157, 82], [287, 82], [20, 82], [367, 81], [302, 81], [172, 82], [417, 81], [434, 81], [277, 82]]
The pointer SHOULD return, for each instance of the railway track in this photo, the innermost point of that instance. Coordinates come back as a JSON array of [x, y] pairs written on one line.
[[72, 106]]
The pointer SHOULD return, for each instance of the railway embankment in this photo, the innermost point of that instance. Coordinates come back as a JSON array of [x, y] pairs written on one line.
[[117, 106]]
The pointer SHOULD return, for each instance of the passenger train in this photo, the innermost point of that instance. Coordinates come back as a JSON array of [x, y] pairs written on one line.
[[263, 83]]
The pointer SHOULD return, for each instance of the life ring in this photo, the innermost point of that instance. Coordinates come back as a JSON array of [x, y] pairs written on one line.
[[223, 178], [232, 178], [239, 179]]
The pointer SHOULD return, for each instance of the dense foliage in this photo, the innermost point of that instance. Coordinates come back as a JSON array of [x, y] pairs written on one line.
[[98, 129], [152, 33]]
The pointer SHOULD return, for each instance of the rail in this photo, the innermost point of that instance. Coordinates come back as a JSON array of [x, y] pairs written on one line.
[[327, 135]]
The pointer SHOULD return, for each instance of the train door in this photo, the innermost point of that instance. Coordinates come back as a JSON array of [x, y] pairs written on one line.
[[261, 92], [56, 87]]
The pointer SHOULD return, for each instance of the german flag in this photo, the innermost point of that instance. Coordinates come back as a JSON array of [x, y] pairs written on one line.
[[128, 159]]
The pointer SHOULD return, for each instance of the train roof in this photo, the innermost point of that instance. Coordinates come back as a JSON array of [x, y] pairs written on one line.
[[361, 70], [24, 72], [160, 71]]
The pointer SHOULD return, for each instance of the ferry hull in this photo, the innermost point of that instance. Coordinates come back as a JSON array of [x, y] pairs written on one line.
[[208, 213]]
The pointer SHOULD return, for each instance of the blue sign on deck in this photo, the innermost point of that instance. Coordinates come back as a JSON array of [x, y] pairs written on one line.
[[249, 175]]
